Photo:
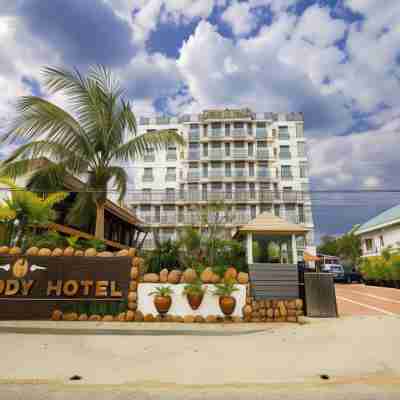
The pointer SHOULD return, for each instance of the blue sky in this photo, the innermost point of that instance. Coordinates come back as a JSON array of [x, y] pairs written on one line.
[[337, 61]]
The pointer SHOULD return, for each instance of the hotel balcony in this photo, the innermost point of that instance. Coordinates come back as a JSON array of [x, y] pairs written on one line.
[[290, 197], [170, 177], [147, 178], [285, 155], [169, 197], [192, 219], [216, 196], [193, 195], [261, 134], [216, 173], [264, 154], [216, 154], [239, 173], [147, 218], [287, 177], [266, 196], [194, 136], [149, 157], [172, 156], [215, 134], [194, 155], [241, 218], [168, 218], [239, 134], [193, 175], [264, 174], [284, 136], [240, 154], [241, 196]]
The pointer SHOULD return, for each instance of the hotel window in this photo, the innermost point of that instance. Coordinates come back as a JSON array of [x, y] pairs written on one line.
[[227, 149], [303, 170], [368, 244], [299, 131], [227, 129], [228, 170], [250, 128], [286, 172], [205, 170], [250, 148], [284, 152], [205, 150], [301, 149], [251, 169], [284, 133], [381, 241], [205, 129]]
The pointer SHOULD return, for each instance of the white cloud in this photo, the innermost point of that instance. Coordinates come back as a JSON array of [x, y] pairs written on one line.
[[240, 18]]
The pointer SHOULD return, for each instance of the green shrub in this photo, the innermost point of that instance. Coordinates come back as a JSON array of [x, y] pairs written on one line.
[[166, 256]]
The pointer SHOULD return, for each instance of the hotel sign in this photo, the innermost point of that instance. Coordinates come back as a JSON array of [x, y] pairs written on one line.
[[31, 287]]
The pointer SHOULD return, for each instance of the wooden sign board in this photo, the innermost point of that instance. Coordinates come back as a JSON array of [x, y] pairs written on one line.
[[32, 287]]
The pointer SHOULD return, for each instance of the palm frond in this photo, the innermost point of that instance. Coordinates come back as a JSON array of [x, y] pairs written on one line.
[[138, 146], [121, 180]]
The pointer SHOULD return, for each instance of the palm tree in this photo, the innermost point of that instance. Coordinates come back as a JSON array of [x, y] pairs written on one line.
[[91, 142], [27, 208]]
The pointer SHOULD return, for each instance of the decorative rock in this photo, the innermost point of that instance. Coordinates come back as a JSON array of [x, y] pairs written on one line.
[[283, 311], [108, 318], [95, 317], [199, 319], [132, 305], [263, 312], [291, 319], [188, 319], [299, 312], [207, 275], [132, 296], [70, 316], [299, 304], [79, 253], [220, 318], [291, 305], [139, 317], [69, 252], [230, 274], [105, 254], [159, 318], [136, 262], [174, 276], [274, 303], [149, 318], [291, 312], [150, 278], [56, 315], [280, 319], [15, 250], [255, 314], [134, 272], [247, 318], [255, 305], [91, 252], [270, 312], [248, 300], [169, 318], [236, 319], [83, 317], [267, 303], [276, 313], [164, 275], [44, 252], [123, 253], [57, 252], [4, 250], [131, 252], [247, 310], [211, 318], [180, 319], [130, 315], [269, 319], [133, 286], [32, 251], [122, 317], [189, 275], [242, 278]]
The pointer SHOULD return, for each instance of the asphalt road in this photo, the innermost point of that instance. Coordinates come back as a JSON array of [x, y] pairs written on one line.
[[359, 299]]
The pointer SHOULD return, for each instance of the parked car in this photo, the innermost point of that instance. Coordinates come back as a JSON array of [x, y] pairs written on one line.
[[342, 275]]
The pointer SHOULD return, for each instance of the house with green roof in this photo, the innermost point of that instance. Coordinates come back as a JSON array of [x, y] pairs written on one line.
[[380, 232]]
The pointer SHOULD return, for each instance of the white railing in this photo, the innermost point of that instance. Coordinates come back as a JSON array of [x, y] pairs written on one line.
[[193, 175], [261, 134], [214, 154], [172, 156], [264, 174], [194, 155], [194, 136], [239, 133], [216, 196], [240, 153], [239, 172], [168, 218], [216, 173], [148, 178], [149, 157], [216, 133], [264, 154], [170, 177]]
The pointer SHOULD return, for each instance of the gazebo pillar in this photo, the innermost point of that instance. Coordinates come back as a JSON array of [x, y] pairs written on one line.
[[294, 249], [249, 244]]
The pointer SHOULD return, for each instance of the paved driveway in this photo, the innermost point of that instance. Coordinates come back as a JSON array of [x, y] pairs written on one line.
[[358, 299]]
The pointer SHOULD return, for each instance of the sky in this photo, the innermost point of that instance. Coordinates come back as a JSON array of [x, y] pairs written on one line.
[[336, 61]]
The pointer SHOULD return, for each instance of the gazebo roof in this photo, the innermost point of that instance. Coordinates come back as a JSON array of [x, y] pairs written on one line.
[[267, 222]]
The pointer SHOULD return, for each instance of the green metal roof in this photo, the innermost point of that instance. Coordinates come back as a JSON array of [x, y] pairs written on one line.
[[386, 218]]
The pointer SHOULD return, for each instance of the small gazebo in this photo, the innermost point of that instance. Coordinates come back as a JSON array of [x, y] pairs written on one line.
[[273, 240]]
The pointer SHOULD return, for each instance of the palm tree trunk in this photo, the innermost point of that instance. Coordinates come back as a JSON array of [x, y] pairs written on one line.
[[99, 220]]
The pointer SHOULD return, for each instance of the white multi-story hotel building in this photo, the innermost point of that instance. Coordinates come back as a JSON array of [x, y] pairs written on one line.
[[246, 162]]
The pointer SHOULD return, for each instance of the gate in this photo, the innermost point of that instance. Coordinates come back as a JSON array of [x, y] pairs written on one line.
[[320, 296], [274, 281]]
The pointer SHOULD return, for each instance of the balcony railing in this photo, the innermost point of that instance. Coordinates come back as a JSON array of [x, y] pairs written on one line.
[[193, 195], [239, 134], [147, 178], [216, 134], [216, 196], [172, 156], [193, 175], [216, 173], [194, 155], [284, 136], [266, 196], [149, 158], [216, 154], [261, 134], [239, 172], [194, 136], [264, 174], [289, 196], [241, 217], [241, 196], [264, 154], [240, 154], [146, 218], [170, 177], [285, 155], [168, 218], [287, 177]]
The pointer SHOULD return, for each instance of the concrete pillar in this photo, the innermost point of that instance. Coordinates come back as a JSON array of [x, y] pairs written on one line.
[[249, 252], [294, 249]]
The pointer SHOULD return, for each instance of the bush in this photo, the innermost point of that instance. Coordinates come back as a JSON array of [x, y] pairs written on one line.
[[165, 256], [381, 268]]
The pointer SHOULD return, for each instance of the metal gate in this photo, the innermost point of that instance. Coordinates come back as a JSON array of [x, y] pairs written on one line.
[[320, 296], [274, 281]]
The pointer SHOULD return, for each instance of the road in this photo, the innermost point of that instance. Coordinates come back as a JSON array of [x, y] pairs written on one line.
[[358, 299]]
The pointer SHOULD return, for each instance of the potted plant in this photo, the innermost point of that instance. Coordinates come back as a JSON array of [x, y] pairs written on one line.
[[162, 298], [194, 293], [227, 302]]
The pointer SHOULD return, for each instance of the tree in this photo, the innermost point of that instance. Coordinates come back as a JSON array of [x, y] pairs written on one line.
[[91, 142], [349, 248], [27, 209], [328, 246]]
